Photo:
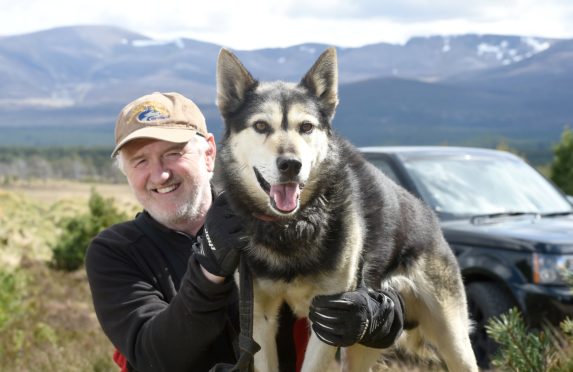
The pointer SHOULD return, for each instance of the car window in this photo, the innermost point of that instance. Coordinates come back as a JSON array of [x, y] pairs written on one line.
[[471, 185], [386, 168]]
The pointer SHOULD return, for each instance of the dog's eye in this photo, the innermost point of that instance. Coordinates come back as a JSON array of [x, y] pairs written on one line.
[[261, 126], [306, 127]]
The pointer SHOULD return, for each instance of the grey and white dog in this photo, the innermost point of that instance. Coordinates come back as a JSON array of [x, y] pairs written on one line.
[[320, 217]]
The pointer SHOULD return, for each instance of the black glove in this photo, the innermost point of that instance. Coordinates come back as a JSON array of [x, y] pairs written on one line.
[[372, 318], [217, 249]]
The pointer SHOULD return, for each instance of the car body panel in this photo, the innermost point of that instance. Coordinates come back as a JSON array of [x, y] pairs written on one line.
[[501, 248], [524, 233]]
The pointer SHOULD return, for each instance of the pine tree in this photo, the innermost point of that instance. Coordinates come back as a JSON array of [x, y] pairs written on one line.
[[520, 349], [562, 165]]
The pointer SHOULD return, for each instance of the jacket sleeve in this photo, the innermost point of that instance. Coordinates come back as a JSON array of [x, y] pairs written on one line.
[[155, 335]]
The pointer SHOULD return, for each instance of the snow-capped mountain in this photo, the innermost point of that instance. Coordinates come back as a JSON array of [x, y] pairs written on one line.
[[74, 76]]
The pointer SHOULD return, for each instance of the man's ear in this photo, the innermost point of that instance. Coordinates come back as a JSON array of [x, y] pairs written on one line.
[[322, 81], [233, 81], [210, 153]]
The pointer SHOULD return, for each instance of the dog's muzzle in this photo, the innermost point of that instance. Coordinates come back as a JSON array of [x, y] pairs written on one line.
[[284, 196]]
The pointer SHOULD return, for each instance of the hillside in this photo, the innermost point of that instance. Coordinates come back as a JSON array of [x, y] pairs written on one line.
[[408, 112], [65, 86]]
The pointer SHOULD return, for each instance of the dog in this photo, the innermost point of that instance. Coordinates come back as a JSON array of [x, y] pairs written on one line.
[[319, 217]]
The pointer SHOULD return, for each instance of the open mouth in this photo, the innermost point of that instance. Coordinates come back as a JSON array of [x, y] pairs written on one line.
[[166, 189], [284, 197]]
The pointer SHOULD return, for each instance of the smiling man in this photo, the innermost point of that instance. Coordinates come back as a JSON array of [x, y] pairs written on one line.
[[168, 179], [161, 309], [162, 293]]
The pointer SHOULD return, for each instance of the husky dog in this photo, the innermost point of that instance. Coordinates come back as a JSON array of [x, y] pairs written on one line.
[[320, 217]]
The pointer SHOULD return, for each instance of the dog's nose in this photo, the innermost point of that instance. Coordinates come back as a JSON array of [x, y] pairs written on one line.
[[289, 166]]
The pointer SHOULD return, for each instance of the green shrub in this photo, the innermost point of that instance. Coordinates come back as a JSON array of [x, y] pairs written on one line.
[[562, 165], [520, 350], [51, 324], [78, 231], [525, 350], [11, 295]]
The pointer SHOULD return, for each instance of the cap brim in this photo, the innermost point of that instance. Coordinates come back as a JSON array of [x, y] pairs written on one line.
[[175, 135]]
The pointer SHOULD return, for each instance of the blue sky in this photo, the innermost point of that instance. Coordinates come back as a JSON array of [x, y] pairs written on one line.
[[253, 24]]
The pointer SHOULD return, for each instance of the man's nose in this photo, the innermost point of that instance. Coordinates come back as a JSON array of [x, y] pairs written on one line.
[[160, 173]]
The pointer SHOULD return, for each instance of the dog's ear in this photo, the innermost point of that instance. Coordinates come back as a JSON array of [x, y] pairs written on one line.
[[322, 80], [233, 81]]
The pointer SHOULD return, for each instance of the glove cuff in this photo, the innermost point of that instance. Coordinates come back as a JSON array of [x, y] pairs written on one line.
[[387, 331]]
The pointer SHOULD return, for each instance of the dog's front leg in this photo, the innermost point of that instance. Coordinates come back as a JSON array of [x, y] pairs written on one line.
[[318, 356], [266, 360], [265, 317], [357, 358]]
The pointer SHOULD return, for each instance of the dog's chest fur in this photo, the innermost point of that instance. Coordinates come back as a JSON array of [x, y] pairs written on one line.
[[316, 241]]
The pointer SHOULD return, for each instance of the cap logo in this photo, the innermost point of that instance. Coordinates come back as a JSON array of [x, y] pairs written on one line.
[[150, 111]]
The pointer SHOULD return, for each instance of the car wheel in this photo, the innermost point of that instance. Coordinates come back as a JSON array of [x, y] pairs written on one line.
[[485, 300]]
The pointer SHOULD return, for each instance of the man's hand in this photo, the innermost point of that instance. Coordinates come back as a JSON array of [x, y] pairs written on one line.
[[372, 318], [217, 249]]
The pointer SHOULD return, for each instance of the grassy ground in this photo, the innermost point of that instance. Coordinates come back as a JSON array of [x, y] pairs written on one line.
[[54, 327], [31, 213], [47, 322], [48, 192]]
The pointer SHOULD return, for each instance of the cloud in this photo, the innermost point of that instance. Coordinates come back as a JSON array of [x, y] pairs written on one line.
[[422, 10], [403, 10], [251, 24]]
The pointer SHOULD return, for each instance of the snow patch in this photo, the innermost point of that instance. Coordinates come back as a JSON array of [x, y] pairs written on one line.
[[537, 45], [446, 47], [506, 55], [306, 49], [143, 43], [35, 102], [484, 48]]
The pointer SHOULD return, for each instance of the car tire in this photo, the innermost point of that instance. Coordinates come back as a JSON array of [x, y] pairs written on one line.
[[486, 300]]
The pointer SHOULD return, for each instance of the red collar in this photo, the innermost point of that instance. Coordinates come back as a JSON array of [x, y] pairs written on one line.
[[266, 217]]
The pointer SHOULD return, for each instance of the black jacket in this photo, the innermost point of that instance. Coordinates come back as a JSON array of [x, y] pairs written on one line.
[[158, 309], [155, 304]]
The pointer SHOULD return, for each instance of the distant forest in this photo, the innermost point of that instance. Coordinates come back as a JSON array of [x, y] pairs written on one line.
[[74, 163], [93, 164]]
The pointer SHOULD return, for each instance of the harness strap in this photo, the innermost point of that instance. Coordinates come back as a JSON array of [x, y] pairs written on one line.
[[247, 345]]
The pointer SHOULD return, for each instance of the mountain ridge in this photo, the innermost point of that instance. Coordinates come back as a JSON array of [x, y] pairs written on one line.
[[429, 90]]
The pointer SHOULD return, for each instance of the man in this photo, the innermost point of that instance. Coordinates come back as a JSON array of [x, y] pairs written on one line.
[[166, 307]]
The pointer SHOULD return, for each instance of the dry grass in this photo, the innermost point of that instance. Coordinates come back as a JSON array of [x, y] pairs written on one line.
[[53, 191], [55, 328], [31, 214]]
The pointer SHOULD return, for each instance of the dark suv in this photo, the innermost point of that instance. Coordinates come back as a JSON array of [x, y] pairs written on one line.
[[510, 229]]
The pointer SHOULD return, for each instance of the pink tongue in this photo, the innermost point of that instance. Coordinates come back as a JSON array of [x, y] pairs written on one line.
[[285, 196]]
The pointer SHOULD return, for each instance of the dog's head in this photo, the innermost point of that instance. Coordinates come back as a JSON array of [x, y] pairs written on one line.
[[276, 133]]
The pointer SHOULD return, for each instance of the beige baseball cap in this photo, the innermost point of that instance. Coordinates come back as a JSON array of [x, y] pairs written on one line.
[[164, 116]]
